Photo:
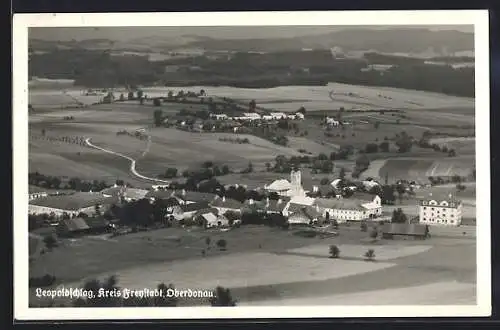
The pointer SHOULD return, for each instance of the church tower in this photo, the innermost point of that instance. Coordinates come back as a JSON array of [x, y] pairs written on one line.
[[296, 184]]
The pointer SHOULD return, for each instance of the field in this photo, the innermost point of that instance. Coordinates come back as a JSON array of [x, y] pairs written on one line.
[[289, 266], [419, 169]]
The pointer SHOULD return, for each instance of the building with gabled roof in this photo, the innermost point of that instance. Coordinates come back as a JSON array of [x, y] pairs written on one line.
[[350, 209], [72, 205], [224, 204], [305, 215]]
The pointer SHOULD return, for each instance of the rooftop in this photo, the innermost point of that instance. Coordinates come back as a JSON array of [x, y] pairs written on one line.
[[74, 201], [279, 185], [226, 203], [195, 206], [339, 204]]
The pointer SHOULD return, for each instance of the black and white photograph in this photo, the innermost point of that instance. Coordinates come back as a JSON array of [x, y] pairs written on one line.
[[305, 164]]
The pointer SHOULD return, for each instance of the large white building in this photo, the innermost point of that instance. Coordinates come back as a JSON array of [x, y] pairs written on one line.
[[436, 210], [72, 205], [350, 209]]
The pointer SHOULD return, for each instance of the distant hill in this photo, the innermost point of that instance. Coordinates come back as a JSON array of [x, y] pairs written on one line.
[[408, 41], [387, 41]]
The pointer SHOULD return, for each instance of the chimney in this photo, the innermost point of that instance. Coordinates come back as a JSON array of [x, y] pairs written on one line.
[[223, 198], [183, 192], [250, 201]]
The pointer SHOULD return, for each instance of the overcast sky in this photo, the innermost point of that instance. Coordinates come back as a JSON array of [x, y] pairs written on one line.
[[224, 32]]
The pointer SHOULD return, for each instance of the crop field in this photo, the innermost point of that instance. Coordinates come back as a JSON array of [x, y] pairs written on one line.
[[461, 145], [318, 97], [419, 169], [171, 147]]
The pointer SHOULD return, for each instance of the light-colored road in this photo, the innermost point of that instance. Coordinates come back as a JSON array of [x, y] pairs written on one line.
[[132, 161]]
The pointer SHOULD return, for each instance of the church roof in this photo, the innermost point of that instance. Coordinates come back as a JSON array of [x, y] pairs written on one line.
[[281, 184]]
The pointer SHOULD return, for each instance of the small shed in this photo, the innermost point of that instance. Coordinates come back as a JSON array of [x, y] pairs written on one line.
[[417, 231]]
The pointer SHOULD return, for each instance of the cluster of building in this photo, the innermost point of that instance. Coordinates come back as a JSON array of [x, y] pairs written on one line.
[[251, 116], [293, 202]]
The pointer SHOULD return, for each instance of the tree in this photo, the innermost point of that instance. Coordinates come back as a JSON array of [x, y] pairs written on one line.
[[207, 241], [371, 148], [268, 167], [374, 234], [388, 196], [460, 187], [50, 242], [225, 170], [156, 102], [384, 146], [130, 95], [252, 105], [170, 95], [165, 301], [222, 298], [452, 153], [202, 92], [171, 172], [404, 142], [398, 216], [221, 244], [334, 251], [370, 255], [364, 226], [122, 97], [400, 188], [158, 117], [456, 179]]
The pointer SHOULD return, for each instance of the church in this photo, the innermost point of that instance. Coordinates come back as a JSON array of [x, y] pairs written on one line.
[[285, 188]]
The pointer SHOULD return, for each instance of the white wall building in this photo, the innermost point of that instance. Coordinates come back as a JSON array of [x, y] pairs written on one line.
[[351, 209], [435, 210]]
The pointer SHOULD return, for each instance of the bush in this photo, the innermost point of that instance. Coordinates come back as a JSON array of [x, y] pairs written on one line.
[[370, 255], [374, 234], [334, 251], [221, 244]]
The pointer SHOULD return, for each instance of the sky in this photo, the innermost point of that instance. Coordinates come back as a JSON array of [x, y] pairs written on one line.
[[222, 32]]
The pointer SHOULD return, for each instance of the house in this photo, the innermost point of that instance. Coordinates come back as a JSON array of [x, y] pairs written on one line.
[[275, 206], [277, 115], [81, 226], [332, 122], [71, 205], [226, 204], [211, 220], [188, 210], [220, 116], [351, 209], [128, 194], [440, 210], [323, 190], [297, 202], [248, 116], [187, 197], [305, 215], [419, 231], [35, 192]]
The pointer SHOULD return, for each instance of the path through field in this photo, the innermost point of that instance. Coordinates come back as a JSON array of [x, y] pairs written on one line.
[[132, 161]]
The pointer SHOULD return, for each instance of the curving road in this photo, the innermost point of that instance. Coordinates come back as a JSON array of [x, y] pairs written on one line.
[[132, 161]]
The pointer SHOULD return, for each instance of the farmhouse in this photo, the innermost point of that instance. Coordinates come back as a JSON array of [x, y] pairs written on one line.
[[305, 215], [275, 206], [189, 210], [71, 205], [219, 116], [81, 226], [35, 192], [391, 230], [344, 210], [296, 203], [226, 204], [210, 220], [440, 210], [128, 194], [277, 115], [248, 116], [188, 197]]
